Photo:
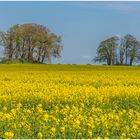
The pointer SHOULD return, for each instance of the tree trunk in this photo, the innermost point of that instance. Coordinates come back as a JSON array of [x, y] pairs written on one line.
[[10, 51], [131, 61], [126, 57], [108, 61], [39, 54], [43, 57]]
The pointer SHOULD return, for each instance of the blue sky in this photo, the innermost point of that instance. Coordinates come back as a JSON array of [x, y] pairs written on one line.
[[82, 25]]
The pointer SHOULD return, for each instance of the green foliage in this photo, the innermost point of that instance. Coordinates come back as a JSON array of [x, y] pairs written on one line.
[[31, 43], [15, 61], [119, 51]]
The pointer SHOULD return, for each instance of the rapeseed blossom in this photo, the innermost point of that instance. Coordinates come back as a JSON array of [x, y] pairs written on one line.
[[102, 102], [8, 135], [39, 135]]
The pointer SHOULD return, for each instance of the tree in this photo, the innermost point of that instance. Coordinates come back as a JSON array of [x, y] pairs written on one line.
[[121, 50], [116, 50], [31, 42], [132, 46], [107, 51]]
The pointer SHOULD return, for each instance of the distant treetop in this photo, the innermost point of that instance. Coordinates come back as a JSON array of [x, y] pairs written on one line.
[[119, 50], [30, 42]]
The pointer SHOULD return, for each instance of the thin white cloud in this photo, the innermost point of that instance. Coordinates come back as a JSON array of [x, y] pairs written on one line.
[[87, 56]]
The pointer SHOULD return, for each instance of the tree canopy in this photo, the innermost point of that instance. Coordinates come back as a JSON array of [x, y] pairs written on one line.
[[31, 42], [119, 50]]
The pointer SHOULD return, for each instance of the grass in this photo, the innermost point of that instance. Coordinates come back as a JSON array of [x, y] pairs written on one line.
[[63, 67]]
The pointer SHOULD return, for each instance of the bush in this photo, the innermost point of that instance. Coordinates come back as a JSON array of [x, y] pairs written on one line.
[[14, 61]]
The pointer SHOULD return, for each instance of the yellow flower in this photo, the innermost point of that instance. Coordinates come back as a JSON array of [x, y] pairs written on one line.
[[134, 126], [90, 133], [8, 135], [39, 109], [52, 131], [7, 116], [19, 105], [45, 117], [64, 102], [14, 126], [40, 105], [77, 122], [13, 111], [62, 129], [4, 108], [39, 135]]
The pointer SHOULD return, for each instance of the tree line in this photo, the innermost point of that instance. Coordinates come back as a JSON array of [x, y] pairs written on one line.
[[35, 43], [119, 50], [31, 42]]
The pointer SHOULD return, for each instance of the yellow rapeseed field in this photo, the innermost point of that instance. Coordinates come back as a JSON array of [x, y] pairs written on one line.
[[69, 101]]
